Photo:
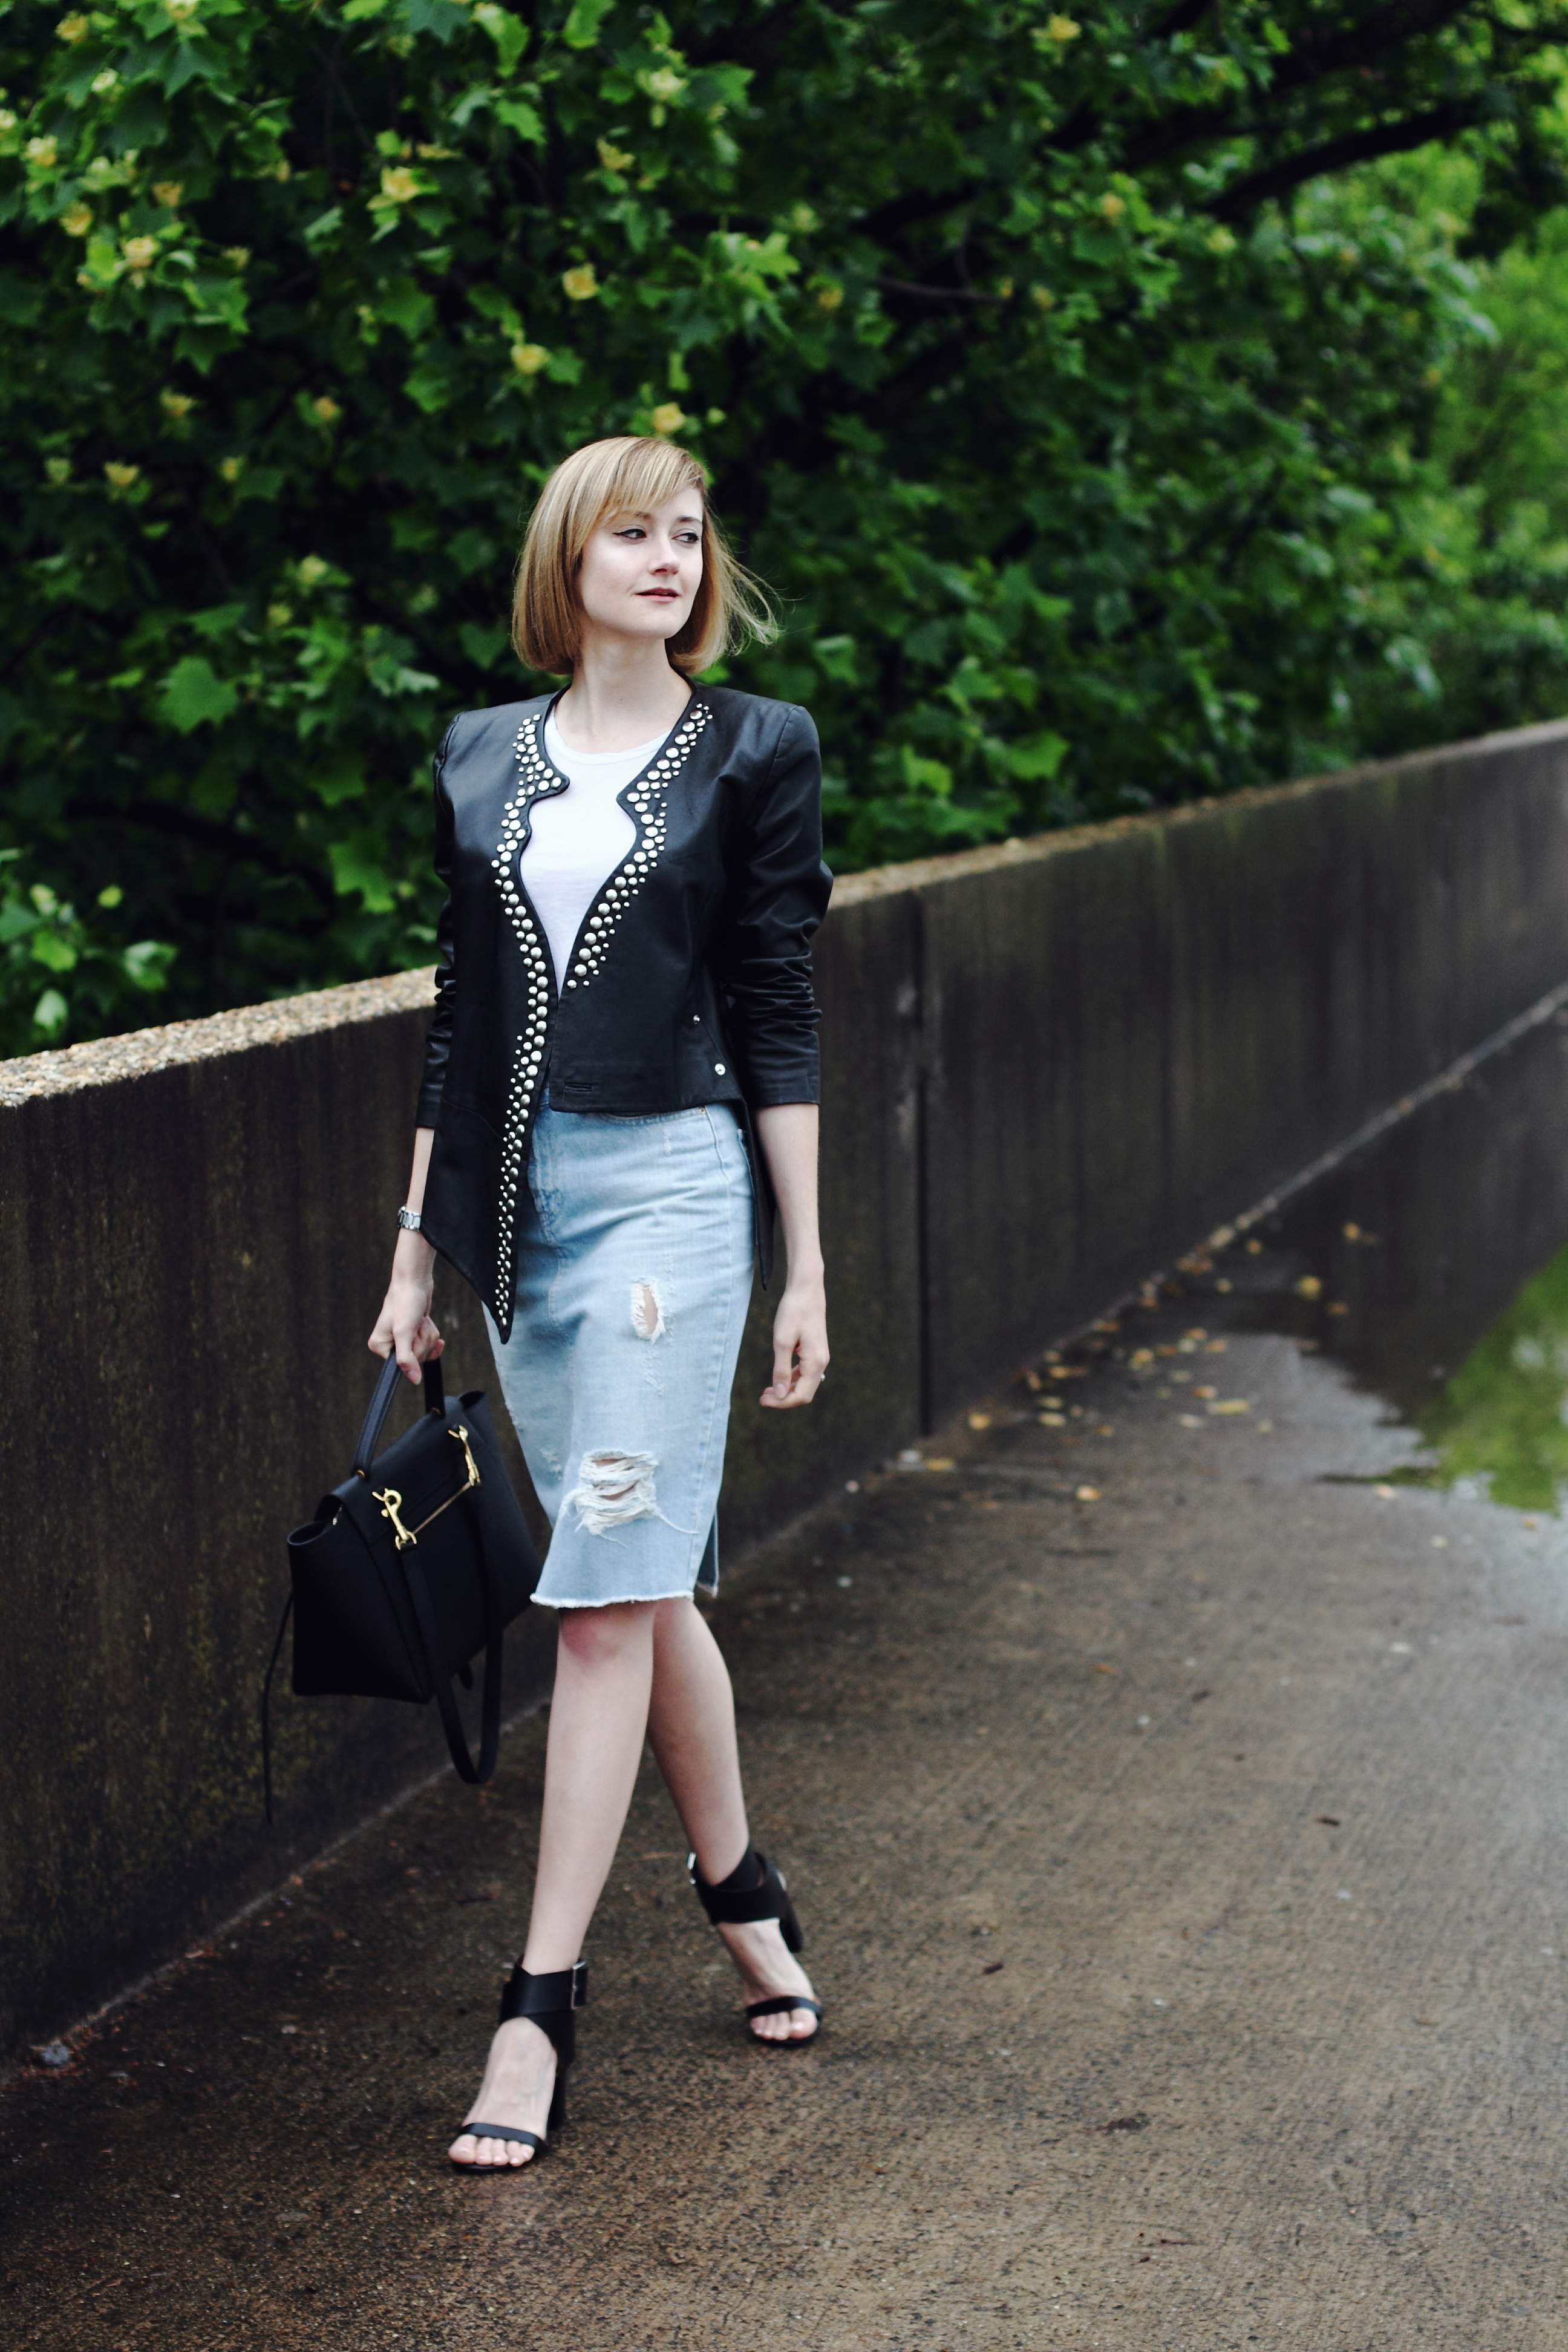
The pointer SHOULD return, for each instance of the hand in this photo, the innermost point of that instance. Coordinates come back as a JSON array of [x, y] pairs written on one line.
[[403, 1326], [800, 1344]]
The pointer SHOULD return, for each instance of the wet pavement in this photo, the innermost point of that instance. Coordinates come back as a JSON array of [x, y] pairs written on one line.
[[1169, 1769]]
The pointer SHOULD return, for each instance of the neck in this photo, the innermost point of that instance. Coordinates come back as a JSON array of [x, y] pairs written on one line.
[[622, 690]]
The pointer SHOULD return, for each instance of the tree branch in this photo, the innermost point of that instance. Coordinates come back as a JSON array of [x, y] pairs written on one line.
[[1353, 147]]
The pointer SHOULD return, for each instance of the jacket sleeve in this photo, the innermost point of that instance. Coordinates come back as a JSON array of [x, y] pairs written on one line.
[[438, 1047], [778, 893]]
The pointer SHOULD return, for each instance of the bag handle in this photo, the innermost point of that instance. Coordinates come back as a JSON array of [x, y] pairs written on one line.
[[381, 1405]]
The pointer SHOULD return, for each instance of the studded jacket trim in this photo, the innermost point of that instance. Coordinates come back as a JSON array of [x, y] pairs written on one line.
[[688, 980]]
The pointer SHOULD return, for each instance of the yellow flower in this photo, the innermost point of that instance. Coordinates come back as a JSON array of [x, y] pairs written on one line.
[[238, 254], [168, 192], [176, 403], [120, 478], [1112, 205], [103, 83], [71, 28], [529, 358], [1062, 29], [180, 10], [435, 155], [41, 152], [667, 417], [828, 298], [58, 470], [279, 615], [231, 468], [581, 285], [1042, 298], [1220, 240], [311, 570], [665, 85], [398, 184], [7, 121], [140, 252], [326, 408], [280, 170], [77, 219], [614, 159]]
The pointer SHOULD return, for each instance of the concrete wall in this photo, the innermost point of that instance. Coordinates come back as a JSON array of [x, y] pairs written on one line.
[[1049, 1066]]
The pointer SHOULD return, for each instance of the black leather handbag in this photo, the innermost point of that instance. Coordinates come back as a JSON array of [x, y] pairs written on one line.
[[421, 1558]]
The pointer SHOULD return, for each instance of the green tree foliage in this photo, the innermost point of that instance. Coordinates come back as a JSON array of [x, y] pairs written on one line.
[[1072, 404]]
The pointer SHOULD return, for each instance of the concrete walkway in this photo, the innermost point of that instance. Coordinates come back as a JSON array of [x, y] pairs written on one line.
[[1184, 1870]]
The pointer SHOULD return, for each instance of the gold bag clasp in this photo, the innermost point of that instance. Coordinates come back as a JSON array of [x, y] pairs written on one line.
[[391, 1503]]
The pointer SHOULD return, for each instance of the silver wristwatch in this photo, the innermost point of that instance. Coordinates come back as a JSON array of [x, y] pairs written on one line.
[[409, 1220]]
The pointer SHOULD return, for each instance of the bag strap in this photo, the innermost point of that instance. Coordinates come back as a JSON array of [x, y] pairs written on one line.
[[265, 1716], [440, 1678], [381, 1405]]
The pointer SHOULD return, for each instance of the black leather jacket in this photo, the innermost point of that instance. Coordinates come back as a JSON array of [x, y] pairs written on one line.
[[690, 979]]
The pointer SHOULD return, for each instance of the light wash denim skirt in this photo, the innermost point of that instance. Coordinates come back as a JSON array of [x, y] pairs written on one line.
[[633, 1241]]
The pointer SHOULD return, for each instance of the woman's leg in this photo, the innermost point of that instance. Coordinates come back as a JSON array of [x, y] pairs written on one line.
[[691, 1726], [598, 1715]]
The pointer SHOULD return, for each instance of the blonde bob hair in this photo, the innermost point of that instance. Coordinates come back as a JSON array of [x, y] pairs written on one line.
[[628, 475]]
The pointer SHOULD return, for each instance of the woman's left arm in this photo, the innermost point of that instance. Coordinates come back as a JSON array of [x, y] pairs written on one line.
[[787, 1134]]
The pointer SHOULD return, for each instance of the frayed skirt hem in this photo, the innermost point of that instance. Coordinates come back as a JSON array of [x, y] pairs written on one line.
[[616, 1600]]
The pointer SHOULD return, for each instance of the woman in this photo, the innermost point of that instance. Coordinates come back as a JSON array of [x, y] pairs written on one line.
[[621, 1080]]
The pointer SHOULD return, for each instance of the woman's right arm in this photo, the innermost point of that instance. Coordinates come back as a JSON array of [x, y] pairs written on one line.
[[404, 1327]]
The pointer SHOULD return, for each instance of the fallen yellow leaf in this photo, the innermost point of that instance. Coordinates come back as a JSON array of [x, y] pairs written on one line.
[[1089, 1493], [1053, 1420], [1103, 1670], [980, 1421], [1206, 1391], [1231, 1405], [1309, 1286], [1140, 1358]]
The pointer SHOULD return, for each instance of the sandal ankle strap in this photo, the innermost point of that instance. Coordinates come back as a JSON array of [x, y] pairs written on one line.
[[731, 1906], [550, 2001]]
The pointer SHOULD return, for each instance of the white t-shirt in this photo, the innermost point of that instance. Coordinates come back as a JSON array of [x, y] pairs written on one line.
[[579, 838]]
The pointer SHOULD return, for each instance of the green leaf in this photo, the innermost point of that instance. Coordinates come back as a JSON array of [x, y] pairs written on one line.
[[509, 33], [193, 694], [519, 116], [581, 29]]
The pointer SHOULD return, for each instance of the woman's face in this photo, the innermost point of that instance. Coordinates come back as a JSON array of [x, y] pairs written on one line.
[[640, 571]]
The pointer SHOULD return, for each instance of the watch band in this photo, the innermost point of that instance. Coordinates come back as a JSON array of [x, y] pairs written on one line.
[[409, 1220]]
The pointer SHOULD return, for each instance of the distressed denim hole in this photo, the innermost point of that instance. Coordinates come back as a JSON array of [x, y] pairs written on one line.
[[647, 1312], [612, 1488]]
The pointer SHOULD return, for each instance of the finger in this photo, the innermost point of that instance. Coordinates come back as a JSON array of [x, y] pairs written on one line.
[[783, 1366], [809, 1376]]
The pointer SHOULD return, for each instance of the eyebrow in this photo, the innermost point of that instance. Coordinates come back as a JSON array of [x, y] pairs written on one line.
[[644, 514]]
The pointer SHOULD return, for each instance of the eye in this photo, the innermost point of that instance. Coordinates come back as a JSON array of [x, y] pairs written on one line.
[[632, 530]]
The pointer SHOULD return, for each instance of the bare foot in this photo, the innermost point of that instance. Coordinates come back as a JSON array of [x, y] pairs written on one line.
[[519, 2078], [767, 1969]]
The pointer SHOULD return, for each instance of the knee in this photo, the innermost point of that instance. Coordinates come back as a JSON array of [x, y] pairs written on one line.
[[596, 1637]]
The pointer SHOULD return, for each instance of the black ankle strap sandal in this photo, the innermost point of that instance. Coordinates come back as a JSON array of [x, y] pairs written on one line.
[[552, 2003], [755, 1890]]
